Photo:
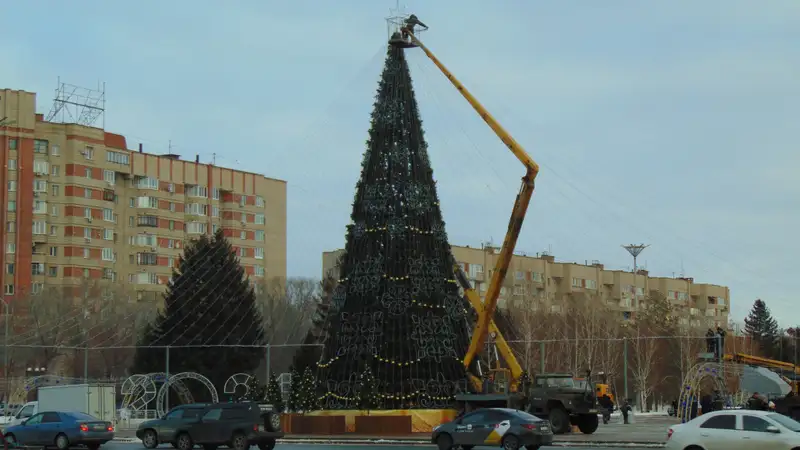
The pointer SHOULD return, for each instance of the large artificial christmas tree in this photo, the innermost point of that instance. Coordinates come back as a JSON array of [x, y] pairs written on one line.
[[397, 308], [210, 321]]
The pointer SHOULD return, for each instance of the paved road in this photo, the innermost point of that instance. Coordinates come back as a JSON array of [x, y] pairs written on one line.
[[136, 446]]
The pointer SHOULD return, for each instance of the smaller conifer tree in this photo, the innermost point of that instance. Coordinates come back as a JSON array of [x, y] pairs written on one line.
[[274, 395], [255, 390], [295, 393], [367, 390], [308, 392]]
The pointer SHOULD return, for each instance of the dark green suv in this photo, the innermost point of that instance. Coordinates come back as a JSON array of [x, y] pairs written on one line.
[[235, 425]]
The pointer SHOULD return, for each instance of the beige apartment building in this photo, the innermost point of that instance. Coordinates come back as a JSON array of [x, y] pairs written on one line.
[[540, 282], [78, 204]]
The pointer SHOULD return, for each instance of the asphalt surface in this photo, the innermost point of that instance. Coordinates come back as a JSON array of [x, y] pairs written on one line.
[[137, 445]]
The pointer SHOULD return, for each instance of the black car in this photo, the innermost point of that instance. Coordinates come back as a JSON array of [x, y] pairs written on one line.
[[236, 425], [510, 429]]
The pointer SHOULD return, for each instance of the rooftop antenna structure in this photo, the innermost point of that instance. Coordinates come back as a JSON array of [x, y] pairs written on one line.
[[79, 105], [635, 250]]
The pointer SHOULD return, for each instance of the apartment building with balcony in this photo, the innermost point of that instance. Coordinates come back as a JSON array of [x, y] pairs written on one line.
[[541, 283], [78, 205]]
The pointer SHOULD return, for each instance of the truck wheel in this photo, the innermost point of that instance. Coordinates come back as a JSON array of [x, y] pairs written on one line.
[[588, 423], [62, 442], [273, 421], [239, 442], [559, 420], [150, 439], [268, 445], [184, 442]]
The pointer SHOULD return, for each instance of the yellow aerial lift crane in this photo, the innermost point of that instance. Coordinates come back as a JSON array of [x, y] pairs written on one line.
[[559, 408], [486, 309]]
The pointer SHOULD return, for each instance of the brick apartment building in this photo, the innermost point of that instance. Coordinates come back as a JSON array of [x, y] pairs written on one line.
[[78, 204], [539, 282]]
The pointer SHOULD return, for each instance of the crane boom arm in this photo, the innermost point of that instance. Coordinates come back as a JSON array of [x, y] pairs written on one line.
[[486, 312]]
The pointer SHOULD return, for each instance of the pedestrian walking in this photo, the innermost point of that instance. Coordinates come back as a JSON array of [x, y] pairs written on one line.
[[608, 405], [625, 410]]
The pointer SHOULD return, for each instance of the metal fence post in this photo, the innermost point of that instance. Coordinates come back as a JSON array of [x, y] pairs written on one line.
[[268, 356], [541, 357]]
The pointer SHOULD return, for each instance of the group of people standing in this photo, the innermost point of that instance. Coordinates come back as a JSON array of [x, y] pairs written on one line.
[[607, 407], [715, 341]]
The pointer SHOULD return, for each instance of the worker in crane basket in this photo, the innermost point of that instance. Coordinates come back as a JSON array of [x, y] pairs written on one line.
[[411, 22]]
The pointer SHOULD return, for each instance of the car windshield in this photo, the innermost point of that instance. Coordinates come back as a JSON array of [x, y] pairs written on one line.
[[560, 382], [787, 422]]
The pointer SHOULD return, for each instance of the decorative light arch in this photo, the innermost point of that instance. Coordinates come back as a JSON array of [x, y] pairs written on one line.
[[176, 382], [701, 371], [236, 380]]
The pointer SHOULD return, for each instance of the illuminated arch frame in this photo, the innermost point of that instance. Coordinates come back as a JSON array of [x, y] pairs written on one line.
[[696, 375], [176, 381], [236, 380]]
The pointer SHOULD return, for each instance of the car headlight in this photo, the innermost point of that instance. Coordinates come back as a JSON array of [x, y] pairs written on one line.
[[437, 427]]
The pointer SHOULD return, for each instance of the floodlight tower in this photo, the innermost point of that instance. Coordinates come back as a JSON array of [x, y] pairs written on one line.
[[635, 250]]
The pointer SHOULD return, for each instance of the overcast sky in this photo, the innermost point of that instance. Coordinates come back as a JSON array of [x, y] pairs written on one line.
[[673, 123]]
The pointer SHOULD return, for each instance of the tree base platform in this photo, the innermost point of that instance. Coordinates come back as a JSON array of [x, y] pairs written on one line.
[[390, 422]]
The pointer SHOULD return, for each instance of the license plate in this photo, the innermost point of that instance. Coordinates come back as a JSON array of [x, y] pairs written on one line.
[[99, 428]]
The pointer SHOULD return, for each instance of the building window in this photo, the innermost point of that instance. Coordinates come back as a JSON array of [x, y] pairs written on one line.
[[108, 254], [87, 213], [215, 193], [147, 221], [11, 247], [243, 200], [108, 215], [88, 152], [10, 268], [260, 235], [194, 190], [39, 146], [243, 235], [39, 207], [12, 164], [591, 284], [577, 282], [109, 176], [11, 227], [475, 270], [145, 278], [12, 186], [53, 230], [12, 144], [146, 183], [41, 167], [518, 275], [144, 240], [55, 170], [9, 289], [37, 268], [170, 262], [109, 274], [172, 225], [214, 228], [196, 227], [258, 271], [54, 190], [87, 233], [214, 211], [171, 207], [146, 259], [86, 253], [108, 234], [52, 271], [39, 186], [258, 253], [147, 202], [117, 157], [86, 273], [87, 172], [260, 219], [87, 193], [12, 206], [197, 209], [53, 251], [259, 201], [39, 227], [55, 150]]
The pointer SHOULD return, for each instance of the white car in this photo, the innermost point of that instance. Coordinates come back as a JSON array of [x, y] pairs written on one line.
[[740, 429]]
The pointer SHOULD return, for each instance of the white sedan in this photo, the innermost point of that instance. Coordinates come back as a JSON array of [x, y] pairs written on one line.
[[736, 430]]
